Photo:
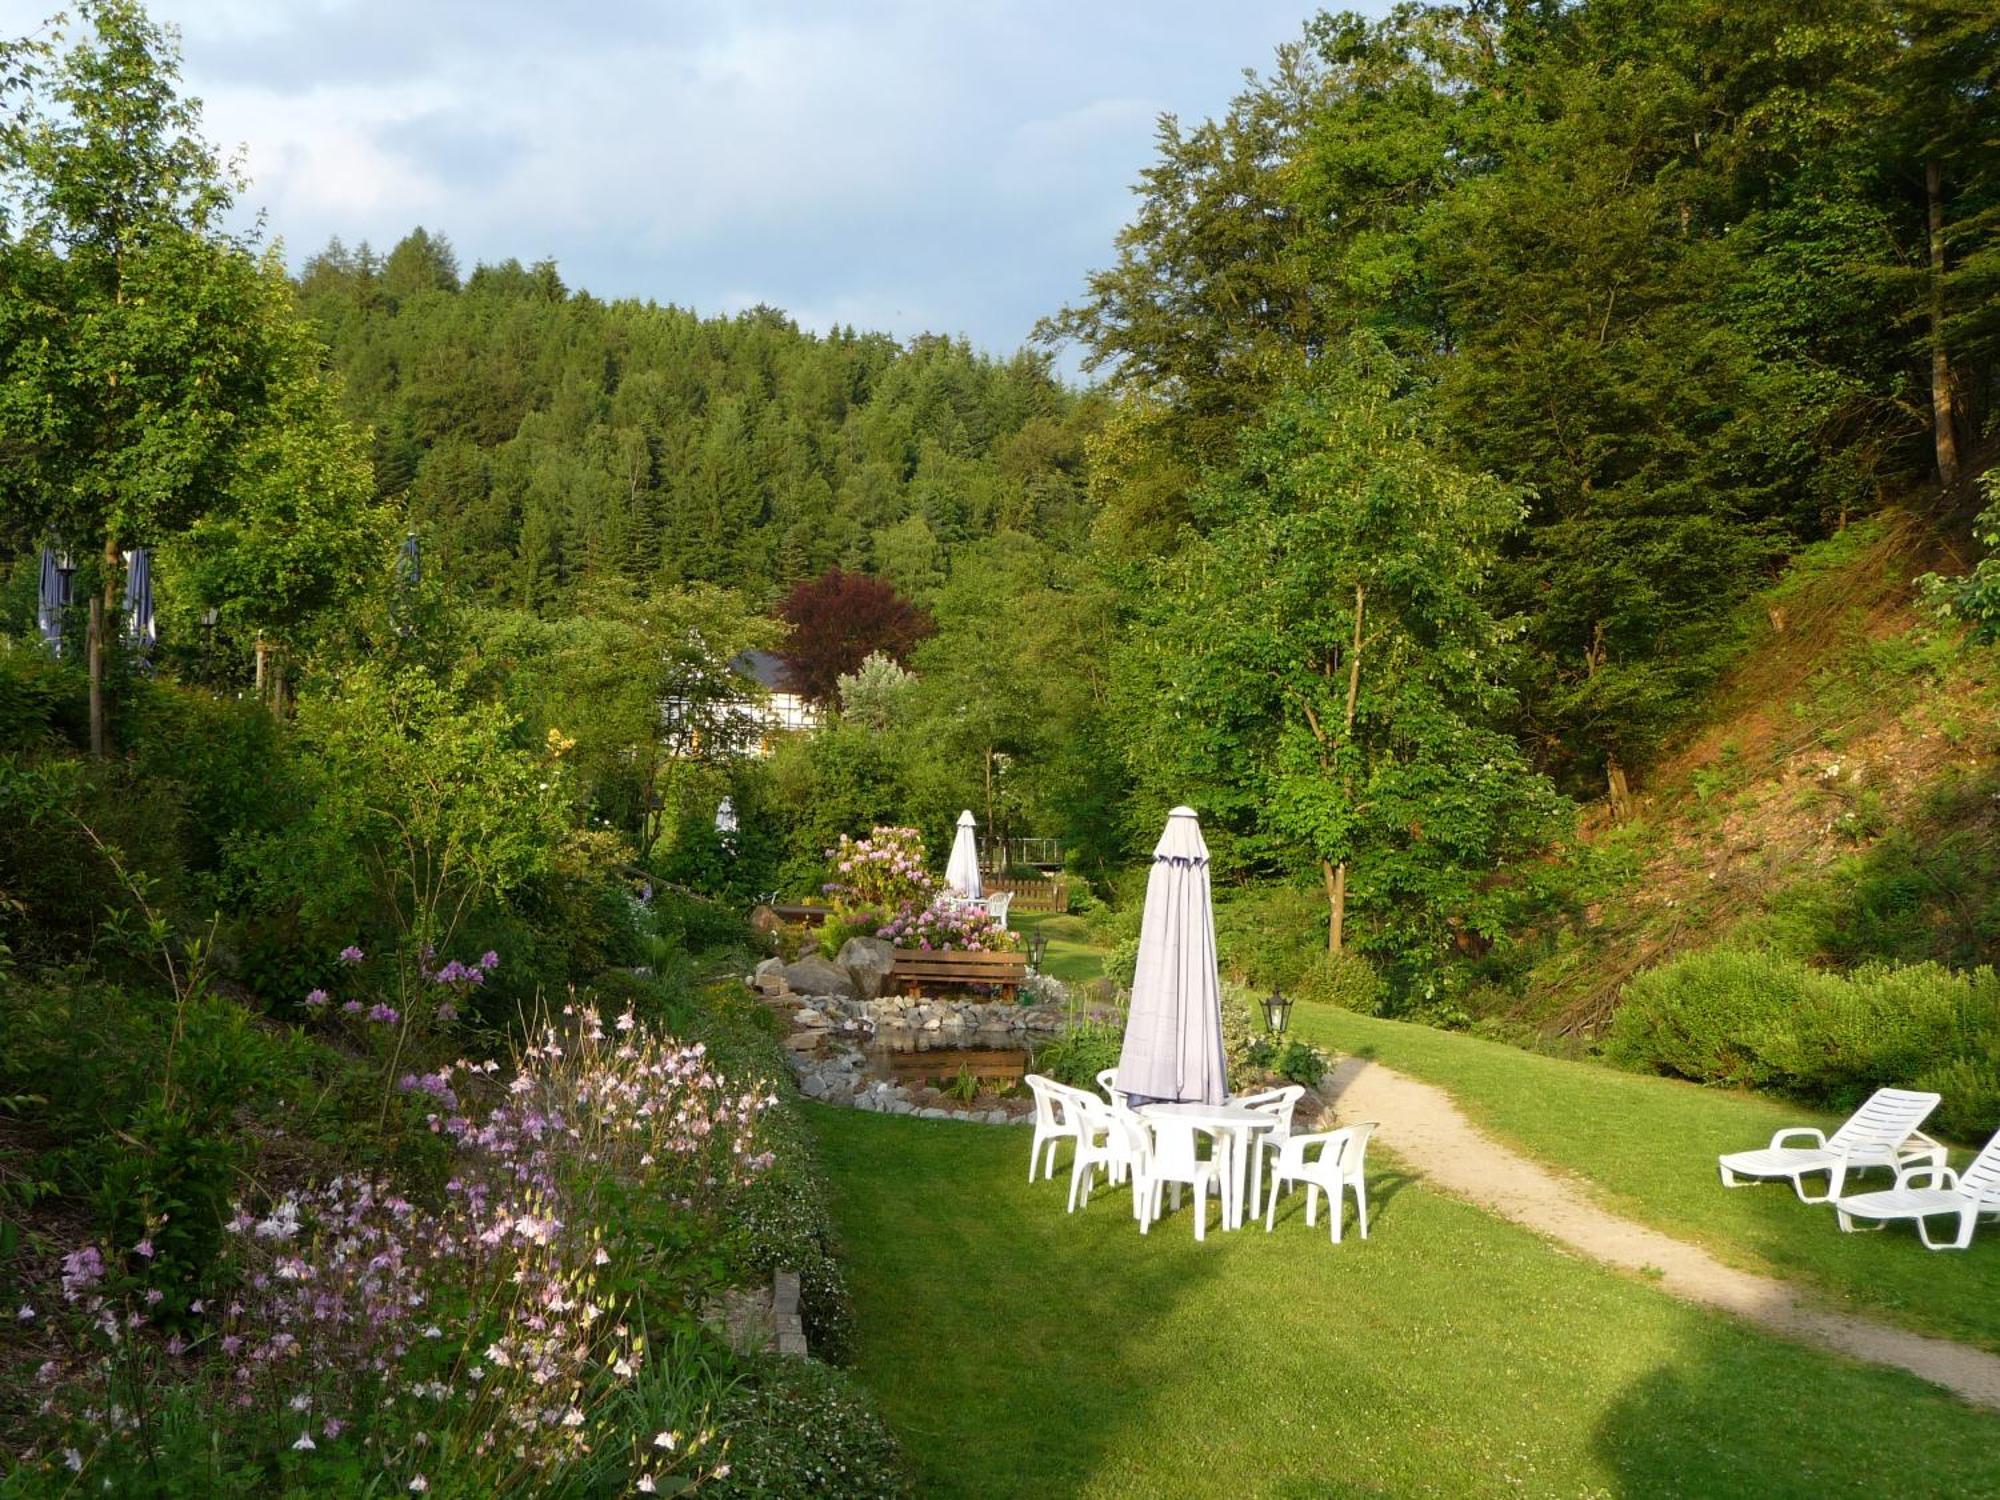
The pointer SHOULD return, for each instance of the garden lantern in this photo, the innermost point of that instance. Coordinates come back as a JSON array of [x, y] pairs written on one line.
[[1277, 1011], [1038, 947]]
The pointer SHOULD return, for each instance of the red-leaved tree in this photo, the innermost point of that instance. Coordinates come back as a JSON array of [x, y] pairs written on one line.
[[837, 620]]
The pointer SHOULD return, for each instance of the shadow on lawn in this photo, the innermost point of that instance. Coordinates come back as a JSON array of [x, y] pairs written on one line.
[[1715, 1422]]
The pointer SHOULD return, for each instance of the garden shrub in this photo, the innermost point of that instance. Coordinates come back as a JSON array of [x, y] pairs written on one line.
[[1267, 936], [1765, 1021], [800, 1428], [1344, 979], [1078, 1053]]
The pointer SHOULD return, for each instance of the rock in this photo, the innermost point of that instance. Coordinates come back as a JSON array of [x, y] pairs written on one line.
[[818, 976], [805, 1041], [934, 1114], [867, 961], [808, 1017]]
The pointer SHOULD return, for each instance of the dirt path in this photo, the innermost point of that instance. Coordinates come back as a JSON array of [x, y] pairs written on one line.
[[1422, 1125]]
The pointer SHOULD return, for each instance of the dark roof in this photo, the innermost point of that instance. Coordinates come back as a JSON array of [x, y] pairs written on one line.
[[767, 670]]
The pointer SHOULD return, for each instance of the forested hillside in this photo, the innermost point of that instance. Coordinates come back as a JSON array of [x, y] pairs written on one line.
[[543, 438]]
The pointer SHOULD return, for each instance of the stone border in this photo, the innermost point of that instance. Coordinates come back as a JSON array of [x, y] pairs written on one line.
[[785, 1311]]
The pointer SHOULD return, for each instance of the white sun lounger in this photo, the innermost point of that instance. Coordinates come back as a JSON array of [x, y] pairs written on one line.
[[1882, 1133], [1968, 1196]]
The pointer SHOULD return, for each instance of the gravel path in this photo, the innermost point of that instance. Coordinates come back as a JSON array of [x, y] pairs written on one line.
[[1422, 1125]]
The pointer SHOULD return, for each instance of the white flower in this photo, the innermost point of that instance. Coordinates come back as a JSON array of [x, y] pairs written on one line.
[[301, 1402], [305, 1444], [26, 1313], [72, 1460], [646, 1486], [419, 1485], [667, 1440]]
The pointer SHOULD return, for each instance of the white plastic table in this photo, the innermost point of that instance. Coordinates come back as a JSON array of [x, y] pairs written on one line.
[[1233, 1122]]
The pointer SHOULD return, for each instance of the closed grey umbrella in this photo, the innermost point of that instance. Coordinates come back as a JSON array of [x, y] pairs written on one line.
[[142, 630], [53, 600], [1173, 1032]]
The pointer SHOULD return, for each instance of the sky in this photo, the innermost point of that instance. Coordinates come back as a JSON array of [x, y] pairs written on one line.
[[952, 166]]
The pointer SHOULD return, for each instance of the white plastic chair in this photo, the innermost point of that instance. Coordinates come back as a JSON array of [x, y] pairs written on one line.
[[1279, 1104], [1056, 1119], [1969, 1196], [1339, 1163], [1882, 1133], [1116, 1140], [1107, 1083], [1176, 1160], [996, 908]]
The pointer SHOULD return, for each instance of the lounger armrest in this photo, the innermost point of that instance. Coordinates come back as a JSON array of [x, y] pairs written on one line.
[[1917, 1143], [1938, 1177], [1818, 1137]]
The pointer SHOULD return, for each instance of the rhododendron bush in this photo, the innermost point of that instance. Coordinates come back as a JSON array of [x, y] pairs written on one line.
[[882, 872], [948, 922], [493, 1334]]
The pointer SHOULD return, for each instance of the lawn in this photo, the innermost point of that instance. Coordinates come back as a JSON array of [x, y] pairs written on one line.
[[1020, 1351], [1648, 1145], [1071, 956]]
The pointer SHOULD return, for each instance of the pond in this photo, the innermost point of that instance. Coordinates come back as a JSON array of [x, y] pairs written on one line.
[[917, 1058]]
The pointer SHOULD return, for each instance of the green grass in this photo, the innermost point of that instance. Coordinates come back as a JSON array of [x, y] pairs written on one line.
[[1648, 1145], [1071, 956], [1017, 1350]]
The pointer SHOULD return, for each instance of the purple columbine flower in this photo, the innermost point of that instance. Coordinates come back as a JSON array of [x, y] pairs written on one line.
[[351, 954], [386, 1014], [489, 960], [316, 998], [352, 1008]]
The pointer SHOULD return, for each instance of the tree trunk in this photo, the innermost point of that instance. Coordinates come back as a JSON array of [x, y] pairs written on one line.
[[1941, 379], [1336, 874], [1620, 790], [989, 794], [94, 648], [103, 610], [1336, 901]]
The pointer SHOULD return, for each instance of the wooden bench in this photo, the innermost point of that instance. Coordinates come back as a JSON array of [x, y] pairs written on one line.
[[914, 968], [1030, 895], [805, 916]]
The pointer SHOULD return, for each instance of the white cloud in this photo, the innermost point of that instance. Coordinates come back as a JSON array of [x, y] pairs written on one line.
[[890, 163]]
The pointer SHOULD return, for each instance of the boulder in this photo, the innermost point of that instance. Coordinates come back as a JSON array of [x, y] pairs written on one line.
[[818, 976], [867, 961]]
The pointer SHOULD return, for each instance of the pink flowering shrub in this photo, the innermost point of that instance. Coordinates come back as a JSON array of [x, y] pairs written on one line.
[[494, 1337], [948, 923], [881, 872]]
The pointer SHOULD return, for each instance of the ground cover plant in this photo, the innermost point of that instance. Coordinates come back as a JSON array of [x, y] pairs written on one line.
[[1450, 1353]]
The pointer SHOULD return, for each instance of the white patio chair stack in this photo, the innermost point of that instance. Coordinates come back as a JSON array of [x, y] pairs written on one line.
[[1332, 1161], [1116, 1140], [1882, 1133], [1967, 1196], [1279, 1104], [1057, 1119]]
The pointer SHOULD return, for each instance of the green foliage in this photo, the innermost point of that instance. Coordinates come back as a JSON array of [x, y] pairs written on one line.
[[799, 1428], [1322, 665], [1342, 979], [548, 442], [1753, 1020], [1080, 1051], [1975, 597], [872, 695]]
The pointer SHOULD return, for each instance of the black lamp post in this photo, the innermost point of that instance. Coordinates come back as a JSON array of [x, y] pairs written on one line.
[[1038, 948], [1277, 1011]]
